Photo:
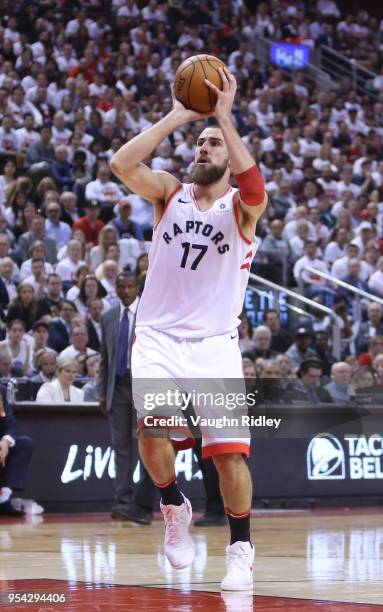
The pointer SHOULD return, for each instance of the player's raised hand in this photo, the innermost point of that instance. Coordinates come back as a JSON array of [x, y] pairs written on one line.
[[185, 114], [226, 95]]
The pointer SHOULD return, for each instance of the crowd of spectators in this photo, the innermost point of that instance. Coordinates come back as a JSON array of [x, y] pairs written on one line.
[[78, 79], [306, 370]]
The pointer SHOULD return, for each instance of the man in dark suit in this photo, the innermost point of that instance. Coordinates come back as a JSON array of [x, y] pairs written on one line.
[[59, 330], [15, 456], [93, 324], [115, 388]]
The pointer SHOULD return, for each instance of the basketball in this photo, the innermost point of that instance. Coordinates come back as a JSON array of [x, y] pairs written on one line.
[[189, 86]]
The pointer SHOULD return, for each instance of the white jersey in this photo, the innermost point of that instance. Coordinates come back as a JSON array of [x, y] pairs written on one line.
[[199, 265]]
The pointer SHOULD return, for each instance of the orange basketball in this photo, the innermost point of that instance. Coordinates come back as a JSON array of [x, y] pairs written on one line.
[[189, 86]]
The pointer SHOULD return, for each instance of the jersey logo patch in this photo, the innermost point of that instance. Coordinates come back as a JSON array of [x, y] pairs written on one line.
[[222, 207], [246, 264], [184, 201]]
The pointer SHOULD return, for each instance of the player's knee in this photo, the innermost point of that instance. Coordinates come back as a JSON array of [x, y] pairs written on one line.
[[151, 445], [228, 462], [148, 441]]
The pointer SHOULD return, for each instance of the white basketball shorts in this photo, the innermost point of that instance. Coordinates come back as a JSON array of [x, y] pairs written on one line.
[[169, 372]]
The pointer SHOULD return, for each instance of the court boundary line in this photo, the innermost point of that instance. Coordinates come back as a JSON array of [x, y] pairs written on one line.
[[99, 586]]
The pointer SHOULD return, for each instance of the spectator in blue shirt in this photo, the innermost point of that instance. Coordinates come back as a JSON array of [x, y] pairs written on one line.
[[54, 228]]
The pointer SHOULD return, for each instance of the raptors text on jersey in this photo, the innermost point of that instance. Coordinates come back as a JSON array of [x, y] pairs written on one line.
[[199, 265]]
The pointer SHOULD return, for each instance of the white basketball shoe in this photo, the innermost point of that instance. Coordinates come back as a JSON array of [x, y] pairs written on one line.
[[239, 563], [179, 545]]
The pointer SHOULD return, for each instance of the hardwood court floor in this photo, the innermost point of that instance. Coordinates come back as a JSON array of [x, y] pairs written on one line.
[[305, 561]]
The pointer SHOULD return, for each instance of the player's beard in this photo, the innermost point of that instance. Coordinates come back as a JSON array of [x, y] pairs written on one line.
[[206, 174]]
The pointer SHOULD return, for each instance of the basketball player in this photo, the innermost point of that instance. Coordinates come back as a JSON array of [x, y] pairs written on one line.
[[203, 245]]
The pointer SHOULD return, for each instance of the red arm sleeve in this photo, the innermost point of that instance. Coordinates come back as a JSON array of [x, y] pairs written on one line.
[[251, 186]]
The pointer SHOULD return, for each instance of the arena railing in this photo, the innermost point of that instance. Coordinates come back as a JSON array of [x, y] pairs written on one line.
[[358, 293], [339, 66], [277, 289], [314, 75]]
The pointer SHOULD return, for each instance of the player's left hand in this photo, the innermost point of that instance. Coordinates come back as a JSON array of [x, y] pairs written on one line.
[[225, 97], [187, 115]]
